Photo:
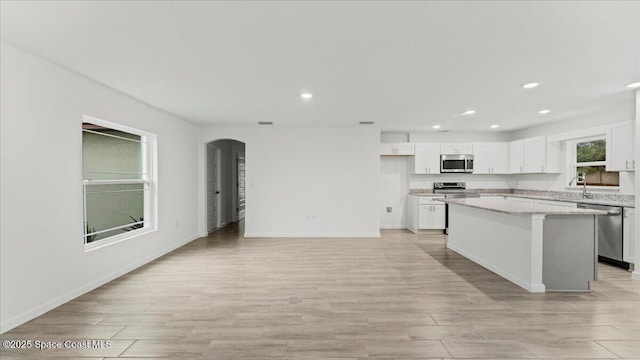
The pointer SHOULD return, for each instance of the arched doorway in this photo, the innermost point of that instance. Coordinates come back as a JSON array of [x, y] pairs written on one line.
[[225, 183]]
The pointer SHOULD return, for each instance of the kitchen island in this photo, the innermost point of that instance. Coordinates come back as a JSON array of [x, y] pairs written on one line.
[[539, 247]]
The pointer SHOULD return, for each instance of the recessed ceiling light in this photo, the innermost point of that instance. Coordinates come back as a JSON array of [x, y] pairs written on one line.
[[530, 85], [469, 112], [366, 123], [436, 126], [545, 111], [306, 96], [634, 85], [265, 122], [495, 126]]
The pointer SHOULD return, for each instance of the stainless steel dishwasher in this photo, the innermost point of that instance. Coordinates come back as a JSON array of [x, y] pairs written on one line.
[[609, 234]]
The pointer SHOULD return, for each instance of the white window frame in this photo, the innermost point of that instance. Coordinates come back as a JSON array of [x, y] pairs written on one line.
[[574, 164], [149, 179]]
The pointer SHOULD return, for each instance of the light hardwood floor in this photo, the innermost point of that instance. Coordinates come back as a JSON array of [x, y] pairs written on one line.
[[402, 296]]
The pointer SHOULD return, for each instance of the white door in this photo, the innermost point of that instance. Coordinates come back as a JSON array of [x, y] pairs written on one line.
[[213, 190], [241, 187]]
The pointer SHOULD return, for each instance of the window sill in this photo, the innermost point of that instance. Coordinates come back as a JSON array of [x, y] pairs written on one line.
[[116, 239], [595, 188]]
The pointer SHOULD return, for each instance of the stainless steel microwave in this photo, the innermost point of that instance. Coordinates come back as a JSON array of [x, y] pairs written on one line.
[[456, 163]]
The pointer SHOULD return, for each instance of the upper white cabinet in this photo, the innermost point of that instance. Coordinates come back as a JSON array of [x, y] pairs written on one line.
[[490, 158], [620, 148], [427, 158], [516, 157], [396, 149], [456, 148], [535, 155], [529, 156]]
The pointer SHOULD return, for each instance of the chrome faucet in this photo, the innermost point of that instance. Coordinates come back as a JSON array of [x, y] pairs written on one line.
[[578, 178]]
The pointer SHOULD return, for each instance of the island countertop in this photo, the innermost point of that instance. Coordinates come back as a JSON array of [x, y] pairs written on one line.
[[519, 208]]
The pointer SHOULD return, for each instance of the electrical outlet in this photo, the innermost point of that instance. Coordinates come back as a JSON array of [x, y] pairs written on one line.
[[389, 209]]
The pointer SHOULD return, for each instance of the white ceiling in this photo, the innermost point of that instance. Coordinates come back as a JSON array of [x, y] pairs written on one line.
[[404, 65]]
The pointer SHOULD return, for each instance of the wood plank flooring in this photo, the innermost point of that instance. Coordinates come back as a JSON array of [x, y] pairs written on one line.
[[403, 296]]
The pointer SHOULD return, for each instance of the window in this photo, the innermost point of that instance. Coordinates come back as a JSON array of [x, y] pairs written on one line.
[[590, 160], [118, 182]]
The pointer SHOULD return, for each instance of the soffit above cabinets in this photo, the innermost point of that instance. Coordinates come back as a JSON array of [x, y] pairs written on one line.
[[404, 65]]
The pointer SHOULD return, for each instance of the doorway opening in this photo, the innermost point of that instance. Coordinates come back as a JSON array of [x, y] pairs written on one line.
[[225, 184]]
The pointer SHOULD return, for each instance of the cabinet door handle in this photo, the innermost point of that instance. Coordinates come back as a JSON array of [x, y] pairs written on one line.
[[626, 164], [633, 164]]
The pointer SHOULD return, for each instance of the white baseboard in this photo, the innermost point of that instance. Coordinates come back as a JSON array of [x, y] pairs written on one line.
[[392, 227], [534, 288], [43, 308], [635, 275], [312, 235]]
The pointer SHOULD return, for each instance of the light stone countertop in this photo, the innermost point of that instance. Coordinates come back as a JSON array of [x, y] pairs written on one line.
[[502, 192], [520, 208]]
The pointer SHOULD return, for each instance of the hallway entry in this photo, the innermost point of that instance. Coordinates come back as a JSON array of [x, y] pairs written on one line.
[[225, 183]]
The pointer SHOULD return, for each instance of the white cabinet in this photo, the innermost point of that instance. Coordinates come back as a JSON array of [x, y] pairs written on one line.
[[396, 149], [528, 156], [620, 148], [427, 158], [628, 235], [456, 148], [425, 213], [516, 157], [535, 154], [432, 217], [491, 158]]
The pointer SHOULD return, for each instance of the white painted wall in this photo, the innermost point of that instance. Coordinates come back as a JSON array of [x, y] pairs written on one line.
[[42, 258], [394, 187], [636, 272], [307, 181]]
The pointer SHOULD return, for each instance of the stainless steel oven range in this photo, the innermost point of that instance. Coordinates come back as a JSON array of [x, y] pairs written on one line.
[[453, 190]]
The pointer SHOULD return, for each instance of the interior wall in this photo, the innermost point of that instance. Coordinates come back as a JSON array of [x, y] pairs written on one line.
[[394, 187], [43, 262], [636, 272], [308, 182]]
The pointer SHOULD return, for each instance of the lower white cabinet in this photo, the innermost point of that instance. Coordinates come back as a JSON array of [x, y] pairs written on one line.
[[431, 217], [426, 213], [628, 235]]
